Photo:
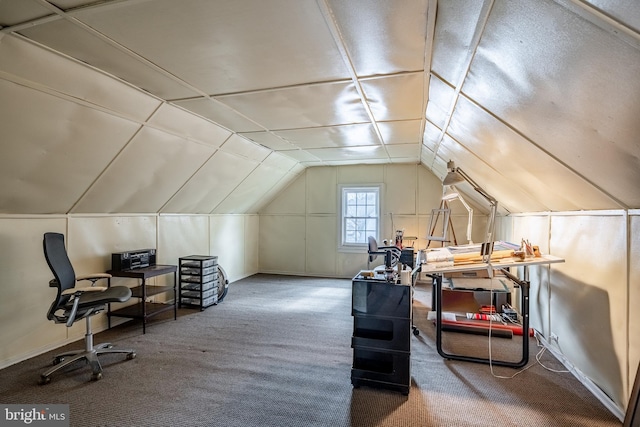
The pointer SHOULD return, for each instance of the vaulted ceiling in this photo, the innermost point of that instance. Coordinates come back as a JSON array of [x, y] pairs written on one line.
[[217, 105]]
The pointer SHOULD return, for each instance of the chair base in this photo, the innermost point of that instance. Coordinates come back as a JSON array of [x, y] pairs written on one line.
[[91, 356]]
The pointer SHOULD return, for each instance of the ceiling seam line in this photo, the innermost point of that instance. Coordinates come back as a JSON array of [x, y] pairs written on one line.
[[603, 20], [344, 53], [432, 10], [487, 6], [543, 150], [192, 175]]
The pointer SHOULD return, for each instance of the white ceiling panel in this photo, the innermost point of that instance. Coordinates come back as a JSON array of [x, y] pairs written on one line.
[[233, 37], [277, 160], [269, 140], [330, 82], [219, 113], [16, 11], [509, 194], [301, 106], [302, 156], [86, 46], [251, 190], [457, 23], [351, 154], [400, 132], [332, 136], [245, 148], [181, 122], [398, 97], [404, 153], [383, 37], [211, 184], [441, 96], [521, 162], [547, 73], [46, 168], [626, 12], [146, 174], [30, 64], [431, 137]]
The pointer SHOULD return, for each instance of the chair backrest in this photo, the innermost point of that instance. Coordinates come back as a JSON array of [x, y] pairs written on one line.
[[58, 260], [373, 248]]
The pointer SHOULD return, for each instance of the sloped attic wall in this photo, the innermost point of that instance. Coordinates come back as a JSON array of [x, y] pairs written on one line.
[[101, 146], [113, 169], [537, 101]]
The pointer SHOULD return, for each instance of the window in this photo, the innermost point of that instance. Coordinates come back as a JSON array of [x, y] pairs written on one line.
[[360, 215]]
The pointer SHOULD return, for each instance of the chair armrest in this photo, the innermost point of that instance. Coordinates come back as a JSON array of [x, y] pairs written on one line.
[[72, 291], [93, 278]]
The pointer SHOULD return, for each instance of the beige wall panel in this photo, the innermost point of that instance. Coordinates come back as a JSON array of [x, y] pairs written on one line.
[[92, 240], [146, 174], [46, 167], [282, 244], [360, 174], [227, 242], [183, 123], [103, 235], [251, 245], [321, 190], [589, 297], [56, 72], [400, 189], [266, 197], [634, 295], [182, 235], [429, 191], [26, 295], [245, 148], [349, 264], [290, 200], [209, 186], [408, 223], [243, 198], [536, 230], [321, 243], [318, 185], [280, 161]]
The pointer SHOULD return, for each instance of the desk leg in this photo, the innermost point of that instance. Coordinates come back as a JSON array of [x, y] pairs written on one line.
[[144, 306], [175, 296], [524, 285], [109, 306]]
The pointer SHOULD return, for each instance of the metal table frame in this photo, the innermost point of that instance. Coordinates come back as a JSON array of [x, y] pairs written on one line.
[[503, 265]]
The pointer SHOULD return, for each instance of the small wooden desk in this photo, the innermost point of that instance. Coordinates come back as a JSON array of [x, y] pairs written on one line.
[[502, 265], [143, 310]]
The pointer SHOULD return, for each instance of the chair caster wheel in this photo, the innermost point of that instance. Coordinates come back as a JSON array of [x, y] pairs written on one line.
[[96, 376], [44, 380], [57, 360], [416, 332], [131, 355]]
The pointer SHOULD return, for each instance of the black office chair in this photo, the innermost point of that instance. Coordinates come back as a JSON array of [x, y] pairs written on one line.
[[73, 304], [375, 250]]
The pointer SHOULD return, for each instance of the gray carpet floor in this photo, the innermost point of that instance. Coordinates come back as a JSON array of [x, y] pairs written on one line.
[[276, 352]]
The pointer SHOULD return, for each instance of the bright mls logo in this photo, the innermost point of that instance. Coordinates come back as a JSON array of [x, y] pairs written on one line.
[[36, 415]]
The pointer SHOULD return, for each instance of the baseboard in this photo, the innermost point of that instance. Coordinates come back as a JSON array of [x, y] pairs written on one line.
[[586, 381]]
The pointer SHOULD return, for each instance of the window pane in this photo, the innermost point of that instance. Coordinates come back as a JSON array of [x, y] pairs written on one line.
[[360, 215]]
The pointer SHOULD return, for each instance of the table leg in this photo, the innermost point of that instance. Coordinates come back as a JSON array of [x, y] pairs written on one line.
[[524, 285], [144, 306], [175, 296]]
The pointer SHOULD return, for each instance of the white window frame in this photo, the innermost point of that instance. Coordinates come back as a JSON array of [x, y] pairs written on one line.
[[343, 190]]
